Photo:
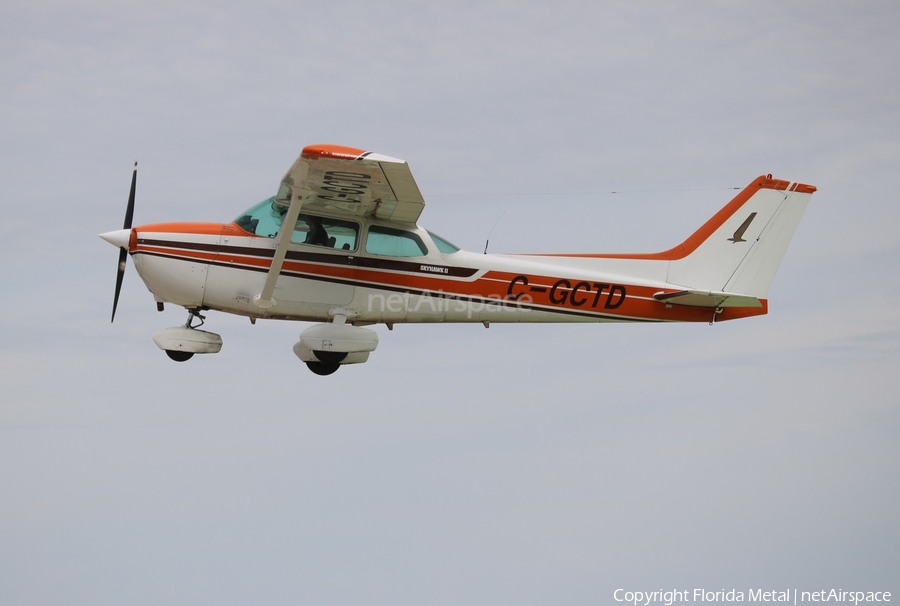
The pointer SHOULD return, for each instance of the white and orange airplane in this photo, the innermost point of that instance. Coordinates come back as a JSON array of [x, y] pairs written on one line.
[[339, 245]]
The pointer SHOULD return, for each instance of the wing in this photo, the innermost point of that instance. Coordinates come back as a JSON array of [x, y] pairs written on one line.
[[335, 180], [339, 180]]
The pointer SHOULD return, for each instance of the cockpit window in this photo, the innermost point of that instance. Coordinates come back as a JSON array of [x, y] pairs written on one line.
[[394, 243], [442, 245], [265, 220]]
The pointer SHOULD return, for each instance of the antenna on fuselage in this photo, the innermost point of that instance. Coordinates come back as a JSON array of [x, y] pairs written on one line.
[[488, 241]]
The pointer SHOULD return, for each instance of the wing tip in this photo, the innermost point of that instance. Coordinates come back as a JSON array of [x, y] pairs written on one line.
[[326, 150], [342, 152]]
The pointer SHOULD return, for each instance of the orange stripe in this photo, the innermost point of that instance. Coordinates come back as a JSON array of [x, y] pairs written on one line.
[[637, 304], [264, 263], [204, 229]]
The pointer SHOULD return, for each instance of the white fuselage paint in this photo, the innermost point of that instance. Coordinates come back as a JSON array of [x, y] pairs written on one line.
[[229, 285]]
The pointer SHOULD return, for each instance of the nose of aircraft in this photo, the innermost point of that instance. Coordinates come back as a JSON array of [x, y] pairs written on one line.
[[118, 238]]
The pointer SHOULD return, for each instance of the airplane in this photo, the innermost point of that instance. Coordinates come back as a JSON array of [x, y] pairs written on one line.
[[339, 245]]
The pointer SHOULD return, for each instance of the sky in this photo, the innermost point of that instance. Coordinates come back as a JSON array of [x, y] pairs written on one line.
[[542, 464]]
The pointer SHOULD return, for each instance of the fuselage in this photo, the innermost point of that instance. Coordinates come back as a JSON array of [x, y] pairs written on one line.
[[383, 273]]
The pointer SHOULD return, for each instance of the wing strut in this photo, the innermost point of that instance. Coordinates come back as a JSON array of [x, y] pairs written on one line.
[[264, 299]]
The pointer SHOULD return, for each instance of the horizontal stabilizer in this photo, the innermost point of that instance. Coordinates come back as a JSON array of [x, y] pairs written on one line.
[[707, 298]]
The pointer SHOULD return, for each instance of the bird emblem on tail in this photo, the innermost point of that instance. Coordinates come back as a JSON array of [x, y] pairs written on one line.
[[739, 233]]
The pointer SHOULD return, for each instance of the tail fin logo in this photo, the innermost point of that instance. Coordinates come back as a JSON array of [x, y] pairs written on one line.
[[739, 233]]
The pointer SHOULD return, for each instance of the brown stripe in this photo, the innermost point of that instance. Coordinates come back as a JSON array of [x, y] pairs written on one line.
[[316, 257]]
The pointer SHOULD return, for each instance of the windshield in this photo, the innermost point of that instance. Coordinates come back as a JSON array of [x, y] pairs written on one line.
[[443, 245], [265, 220]]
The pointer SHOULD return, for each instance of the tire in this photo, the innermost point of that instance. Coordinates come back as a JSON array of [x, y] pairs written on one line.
[[322, 369], [179, 356]]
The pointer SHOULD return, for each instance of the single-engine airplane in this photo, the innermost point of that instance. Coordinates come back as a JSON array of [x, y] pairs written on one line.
[[339, 245]]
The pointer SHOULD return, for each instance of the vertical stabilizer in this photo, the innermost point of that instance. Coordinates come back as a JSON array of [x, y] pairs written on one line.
[[740, 249]]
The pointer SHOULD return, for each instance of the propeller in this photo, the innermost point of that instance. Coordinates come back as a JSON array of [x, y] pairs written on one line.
[[121, 239]]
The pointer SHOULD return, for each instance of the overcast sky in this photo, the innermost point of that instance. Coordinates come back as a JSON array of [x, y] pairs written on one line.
[[515, 465]]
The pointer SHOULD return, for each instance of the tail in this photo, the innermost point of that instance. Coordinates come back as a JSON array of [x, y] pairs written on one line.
[[730, 261], [741, 247]]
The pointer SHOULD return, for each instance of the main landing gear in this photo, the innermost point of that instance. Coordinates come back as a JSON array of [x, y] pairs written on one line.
[[324, 347], [328, 346], [181, 342]]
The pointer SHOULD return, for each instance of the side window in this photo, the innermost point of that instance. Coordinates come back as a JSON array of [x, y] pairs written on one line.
[[394, 243], [324, 231], [265, 220]]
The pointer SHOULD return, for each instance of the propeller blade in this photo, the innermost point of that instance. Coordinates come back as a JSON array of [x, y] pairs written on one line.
[[123, 256], [123, 251], [129, 211]]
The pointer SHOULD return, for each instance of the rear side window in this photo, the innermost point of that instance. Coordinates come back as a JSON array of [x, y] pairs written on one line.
[[394, 243]]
